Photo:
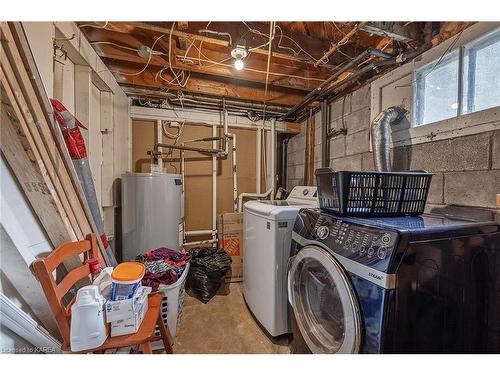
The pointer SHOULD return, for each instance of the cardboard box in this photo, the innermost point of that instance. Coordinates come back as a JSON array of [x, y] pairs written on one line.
[[132, 324], [126, 309], [127, 315], [230, 231]]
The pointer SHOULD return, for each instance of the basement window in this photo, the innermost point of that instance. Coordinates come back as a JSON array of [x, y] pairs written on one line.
[[481, 75], [436, 90], [463, 81]]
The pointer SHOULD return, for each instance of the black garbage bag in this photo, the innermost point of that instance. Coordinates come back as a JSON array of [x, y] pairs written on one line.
[[207, 270]]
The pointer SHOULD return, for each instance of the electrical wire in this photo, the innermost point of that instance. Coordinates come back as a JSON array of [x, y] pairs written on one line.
[[170, 135], [338, 29], [170, 60], [126, 47], [95, 26], [185, 58], [450, 47], [207, 31], [221, 63], [149, 58], [282, 35]]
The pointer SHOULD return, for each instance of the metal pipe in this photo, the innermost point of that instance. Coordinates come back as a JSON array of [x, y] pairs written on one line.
[[251, 195], [376, 65], [225, 125], [207, 139], [273, 156], [187, 148], [235, 180], [324, 133], [339, 43], [258, 159], [214, 185], [183, 166], [284, 162], [199, 232], [318, 91], [381, 136], [159, 139], [202, 242], [272, 109]]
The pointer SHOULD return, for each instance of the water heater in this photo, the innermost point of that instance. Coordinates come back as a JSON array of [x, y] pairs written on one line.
[[152, 212]]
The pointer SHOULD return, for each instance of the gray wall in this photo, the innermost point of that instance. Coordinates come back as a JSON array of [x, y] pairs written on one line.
[[467, 169]]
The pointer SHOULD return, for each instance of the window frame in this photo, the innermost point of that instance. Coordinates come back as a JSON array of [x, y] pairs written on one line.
[[418, 113], [460, 53], [387, 90], [475, 46]]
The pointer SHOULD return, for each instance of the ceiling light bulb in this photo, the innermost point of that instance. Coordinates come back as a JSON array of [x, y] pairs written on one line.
[[238, 64]]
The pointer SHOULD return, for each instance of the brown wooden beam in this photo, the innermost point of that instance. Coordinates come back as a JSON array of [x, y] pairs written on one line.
[[198, 83], [312, 45], [301, 77]]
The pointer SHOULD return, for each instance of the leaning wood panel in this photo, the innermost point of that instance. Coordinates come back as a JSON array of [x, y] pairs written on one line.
[[20, 157], [42, 135], [29, 129], [49, 136]]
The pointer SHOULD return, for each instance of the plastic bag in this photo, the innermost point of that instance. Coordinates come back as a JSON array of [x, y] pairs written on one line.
[[207, 271]]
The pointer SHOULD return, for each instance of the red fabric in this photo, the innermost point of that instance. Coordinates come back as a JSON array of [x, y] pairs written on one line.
[[70, 127]]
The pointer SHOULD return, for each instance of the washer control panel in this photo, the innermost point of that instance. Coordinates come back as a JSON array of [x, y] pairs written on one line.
[[363, 244]]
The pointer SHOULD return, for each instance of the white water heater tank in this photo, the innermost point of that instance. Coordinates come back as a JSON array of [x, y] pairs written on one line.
[[152, 212]]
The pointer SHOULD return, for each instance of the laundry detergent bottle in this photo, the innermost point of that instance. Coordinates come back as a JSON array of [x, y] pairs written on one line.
[[88, 324]]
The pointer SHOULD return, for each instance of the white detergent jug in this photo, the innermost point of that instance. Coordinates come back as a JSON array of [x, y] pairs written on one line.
[[88, 324]]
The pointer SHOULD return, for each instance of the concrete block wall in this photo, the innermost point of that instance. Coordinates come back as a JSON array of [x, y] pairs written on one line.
[[297, 154], [467, 169]]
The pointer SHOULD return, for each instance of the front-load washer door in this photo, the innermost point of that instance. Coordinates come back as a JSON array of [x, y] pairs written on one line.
[[324, 303]]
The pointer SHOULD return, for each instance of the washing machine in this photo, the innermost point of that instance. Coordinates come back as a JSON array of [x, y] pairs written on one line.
[[427, 284], [267, 237]]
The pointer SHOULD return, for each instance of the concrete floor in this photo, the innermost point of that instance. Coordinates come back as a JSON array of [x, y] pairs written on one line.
[[223, 325]]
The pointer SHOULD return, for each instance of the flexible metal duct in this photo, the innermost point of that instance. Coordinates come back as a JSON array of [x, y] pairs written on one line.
[[381, 136]]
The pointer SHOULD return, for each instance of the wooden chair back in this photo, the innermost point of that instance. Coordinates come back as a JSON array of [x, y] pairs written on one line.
[[44, 270]]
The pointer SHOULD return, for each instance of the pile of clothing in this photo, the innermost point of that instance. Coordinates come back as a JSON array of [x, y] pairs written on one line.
[[163, 266]]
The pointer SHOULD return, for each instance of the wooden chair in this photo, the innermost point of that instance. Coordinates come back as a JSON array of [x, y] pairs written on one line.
[[54, 293]]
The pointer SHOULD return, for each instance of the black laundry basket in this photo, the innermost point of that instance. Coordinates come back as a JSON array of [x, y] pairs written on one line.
[[371, 194]]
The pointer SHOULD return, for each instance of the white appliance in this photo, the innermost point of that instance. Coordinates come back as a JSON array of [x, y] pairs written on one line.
[[88, 324], [267, 236], [152, 212]]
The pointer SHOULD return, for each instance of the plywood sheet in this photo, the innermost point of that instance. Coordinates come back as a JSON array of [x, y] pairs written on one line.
[[143, 136]]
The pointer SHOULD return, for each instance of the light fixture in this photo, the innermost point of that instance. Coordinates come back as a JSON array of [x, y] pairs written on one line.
[[239, 53], [144, 52], [239, 64]]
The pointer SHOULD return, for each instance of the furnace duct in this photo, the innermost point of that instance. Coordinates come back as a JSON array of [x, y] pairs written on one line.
[[381, 136]]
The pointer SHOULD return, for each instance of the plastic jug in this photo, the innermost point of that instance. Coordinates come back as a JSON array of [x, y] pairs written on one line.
[[88, 324], [104, 281]]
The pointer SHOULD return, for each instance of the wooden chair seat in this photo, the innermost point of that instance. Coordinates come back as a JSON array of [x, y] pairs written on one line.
[[143, 335]]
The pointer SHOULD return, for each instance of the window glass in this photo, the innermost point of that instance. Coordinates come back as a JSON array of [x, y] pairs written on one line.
[[436, 90], [481, 73]]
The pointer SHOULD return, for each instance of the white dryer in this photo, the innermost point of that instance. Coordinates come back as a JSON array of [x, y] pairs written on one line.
[[267, 236]]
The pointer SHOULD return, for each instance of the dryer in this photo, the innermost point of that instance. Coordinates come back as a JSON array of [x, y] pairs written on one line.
[[427, 284], [267, 237]]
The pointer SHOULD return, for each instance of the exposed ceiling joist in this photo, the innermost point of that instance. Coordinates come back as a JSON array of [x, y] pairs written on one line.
[[400, 31], [216, 86], [202, 52]]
